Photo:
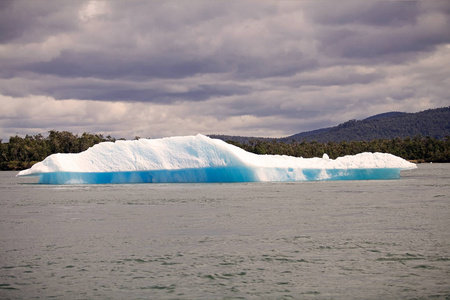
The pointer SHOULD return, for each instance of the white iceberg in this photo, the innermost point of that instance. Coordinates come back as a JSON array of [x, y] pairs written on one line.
[[202, 159]]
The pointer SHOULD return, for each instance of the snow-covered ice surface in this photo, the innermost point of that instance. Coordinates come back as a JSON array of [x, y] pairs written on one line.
[[202, 159]]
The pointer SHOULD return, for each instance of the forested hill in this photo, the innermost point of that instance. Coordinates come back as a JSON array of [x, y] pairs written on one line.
[[433, 123]]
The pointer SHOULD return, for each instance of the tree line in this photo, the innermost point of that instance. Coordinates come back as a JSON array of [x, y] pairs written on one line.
[[21, 153], [418, 148]]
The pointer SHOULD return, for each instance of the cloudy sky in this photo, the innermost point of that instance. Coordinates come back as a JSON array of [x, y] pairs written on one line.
[[251, 68]]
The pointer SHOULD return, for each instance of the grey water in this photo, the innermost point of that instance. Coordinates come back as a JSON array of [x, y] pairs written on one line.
[[380, 239]]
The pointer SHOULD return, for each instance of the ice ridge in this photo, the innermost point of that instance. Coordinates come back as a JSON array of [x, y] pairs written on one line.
[[202, 159]]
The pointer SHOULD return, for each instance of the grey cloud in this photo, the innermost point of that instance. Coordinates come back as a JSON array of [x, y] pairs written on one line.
[[126, 91], [170, 65], [377, 13], [33, 21], [377, 46], [180, 58], [373, 32], [273, 66], [102, 65], [305, 60], [153, 95], [338, 79], [274, 110]]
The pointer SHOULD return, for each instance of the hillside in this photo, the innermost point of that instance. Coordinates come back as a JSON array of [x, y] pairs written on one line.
[[433, 123]]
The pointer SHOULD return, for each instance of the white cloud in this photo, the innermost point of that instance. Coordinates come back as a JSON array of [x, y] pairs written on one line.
[[93, 9]]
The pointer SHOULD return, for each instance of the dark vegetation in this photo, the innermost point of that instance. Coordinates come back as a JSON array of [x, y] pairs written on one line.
[[21, 153], [434, 123], [418, 149], [420, 137]]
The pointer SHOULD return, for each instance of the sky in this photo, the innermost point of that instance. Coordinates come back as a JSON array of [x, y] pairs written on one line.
[[250, 68]]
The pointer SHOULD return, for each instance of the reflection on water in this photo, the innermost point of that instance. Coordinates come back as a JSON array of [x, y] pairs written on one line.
[[308, 240]]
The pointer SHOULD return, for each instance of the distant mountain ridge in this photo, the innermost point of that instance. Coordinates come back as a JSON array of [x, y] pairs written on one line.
[[433, 123], [386, 115]]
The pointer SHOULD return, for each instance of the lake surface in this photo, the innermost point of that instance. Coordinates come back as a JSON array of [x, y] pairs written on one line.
[[381, 239]]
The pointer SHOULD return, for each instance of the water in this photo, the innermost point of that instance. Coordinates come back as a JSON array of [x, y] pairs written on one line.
[[381, 239]]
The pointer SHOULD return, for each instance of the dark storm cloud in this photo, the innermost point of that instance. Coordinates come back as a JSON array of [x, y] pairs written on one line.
[[269, 64], [340, 78], [173, 62], [171, 40], [155, 40], [125, 93], [382, 30], [102, 65], [374, 47], [166, 65], [32, 21], [374, 13]]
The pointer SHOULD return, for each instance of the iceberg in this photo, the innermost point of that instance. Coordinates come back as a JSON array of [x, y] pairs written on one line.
[[202, 159]]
